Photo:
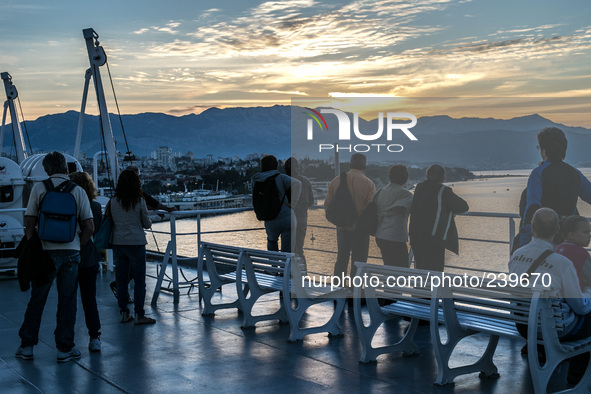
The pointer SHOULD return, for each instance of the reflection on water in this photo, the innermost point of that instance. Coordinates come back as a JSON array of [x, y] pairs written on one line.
[[499, 195]]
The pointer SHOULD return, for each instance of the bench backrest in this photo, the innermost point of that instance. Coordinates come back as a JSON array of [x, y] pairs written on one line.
[[393, 283], [221, 259], [492, 299], [263, 261], [218, 259], [454, 293]]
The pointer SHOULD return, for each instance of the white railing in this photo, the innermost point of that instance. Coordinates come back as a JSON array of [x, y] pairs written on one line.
[[170, 255]]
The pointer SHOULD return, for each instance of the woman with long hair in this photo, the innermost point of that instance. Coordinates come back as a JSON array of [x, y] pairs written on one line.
[[89, 264], [130, 217]]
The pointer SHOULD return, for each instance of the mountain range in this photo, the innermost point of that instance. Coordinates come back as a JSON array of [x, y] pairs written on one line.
[[473, 143]]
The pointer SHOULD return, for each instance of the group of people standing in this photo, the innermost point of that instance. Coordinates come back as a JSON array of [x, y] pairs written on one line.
[[75, 261], [432, 227], [431, 209]]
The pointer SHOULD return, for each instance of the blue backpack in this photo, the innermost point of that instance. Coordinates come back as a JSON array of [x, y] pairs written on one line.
[[57, 213]]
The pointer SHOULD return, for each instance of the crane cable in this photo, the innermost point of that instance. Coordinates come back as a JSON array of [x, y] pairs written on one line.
[[128, 152], [110, 181], [24, 124]]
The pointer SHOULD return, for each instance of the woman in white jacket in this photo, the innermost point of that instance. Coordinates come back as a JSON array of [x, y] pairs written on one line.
[[130, 217], [394, 202]]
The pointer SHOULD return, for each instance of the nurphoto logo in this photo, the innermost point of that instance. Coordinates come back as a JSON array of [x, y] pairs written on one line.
[[392, 124]]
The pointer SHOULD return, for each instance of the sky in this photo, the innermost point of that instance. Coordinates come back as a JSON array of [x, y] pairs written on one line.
[[184, 56]]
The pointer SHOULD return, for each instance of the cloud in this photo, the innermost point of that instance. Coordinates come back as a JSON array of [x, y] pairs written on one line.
[[194, 109], [305, 29], [527, 29], [167, 28], [371, 48], [266, 91]]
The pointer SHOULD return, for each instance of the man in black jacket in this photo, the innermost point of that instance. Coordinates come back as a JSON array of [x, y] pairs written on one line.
[[432, 227]]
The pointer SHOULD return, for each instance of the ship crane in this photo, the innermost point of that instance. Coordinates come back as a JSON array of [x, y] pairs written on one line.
[[97, 58], [11, 95], [11, 183]]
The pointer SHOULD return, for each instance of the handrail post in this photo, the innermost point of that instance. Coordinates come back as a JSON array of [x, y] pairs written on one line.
[[198, 230], [175, 274], [511, 234], [198, 236]]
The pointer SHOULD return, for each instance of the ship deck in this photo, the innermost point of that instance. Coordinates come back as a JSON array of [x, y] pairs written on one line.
[[186, 352]]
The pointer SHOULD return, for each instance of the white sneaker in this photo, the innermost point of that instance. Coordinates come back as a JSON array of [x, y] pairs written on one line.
[[94, 345], [24, 353]]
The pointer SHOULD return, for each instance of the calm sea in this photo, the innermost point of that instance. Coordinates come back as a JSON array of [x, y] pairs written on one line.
[[494, 194]]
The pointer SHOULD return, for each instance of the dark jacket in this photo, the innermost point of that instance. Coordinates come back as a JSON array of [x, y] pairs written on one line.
[[33, 263], [89, 254], [555, 185], [432, 215]]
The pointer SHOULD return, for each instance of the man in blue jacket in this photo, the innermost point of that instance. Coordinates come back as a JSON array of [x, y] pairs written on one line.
[[553, 184]]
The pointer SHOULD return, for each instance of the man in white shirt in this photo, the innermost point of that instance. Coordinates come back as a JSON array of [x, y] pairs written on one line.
[[576, 307], [66, 257]]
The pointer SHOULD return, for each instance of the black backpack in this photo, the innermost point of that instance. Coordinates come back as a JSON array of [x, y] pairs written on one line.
[[57, 213], [368, 219], [342, 211], [265, 199]]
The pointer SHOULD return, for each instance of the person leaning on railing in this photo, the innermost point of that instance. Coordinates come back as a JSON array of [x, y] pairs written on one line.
[[393, 206], [432, 228], [554, 183]]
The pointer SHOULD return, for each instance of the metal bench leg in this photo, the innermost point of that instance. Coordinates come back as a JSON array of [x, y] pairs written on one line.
[[555, 352], [370, 353], [295, 315], [455, 333], [207, 293], [247, 303], [486, 365], [443, 353]]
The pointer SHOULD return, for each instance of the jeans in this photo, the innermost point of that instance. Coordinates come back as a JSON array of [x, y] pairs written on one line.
[[300, 233], [280, 227], [87, 280], [393, 253], [66, 262], [353, 243], [134, 257], [429, 256]]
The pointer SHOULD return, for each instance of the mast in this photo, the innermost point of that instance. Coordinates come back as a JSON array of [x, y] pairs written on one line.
[[97, 58], [11, 95]]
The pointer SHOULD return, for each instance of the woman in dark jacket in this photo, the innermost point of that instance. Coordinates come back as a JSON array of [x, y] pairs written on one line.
[[432, 227]]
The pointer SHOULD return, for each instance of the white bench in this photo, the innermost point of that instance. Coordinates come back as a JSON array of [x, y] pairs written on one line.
[[409, 301], [220, 262], [465, 311], [495, 311], [259, 272]]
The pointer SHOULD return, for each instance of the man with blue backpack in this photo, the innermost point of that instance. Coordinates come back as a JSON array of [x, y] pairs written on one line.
[[59, 217]]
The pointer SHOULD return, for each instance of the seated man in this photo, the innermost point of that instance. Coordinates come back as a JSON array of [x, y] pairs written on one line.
[[576, 309]]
